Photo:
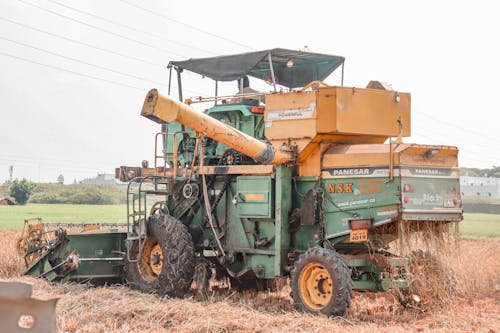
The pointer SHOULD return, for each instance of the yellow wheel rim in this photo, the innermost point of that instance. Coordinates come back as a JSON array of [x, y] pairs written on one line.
[[315, 286], [150, 262], [156, 259]]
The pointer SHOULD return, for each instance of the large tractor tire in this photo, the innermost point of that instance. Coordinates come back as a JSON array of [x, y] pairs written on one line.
[[321, 282], [166, 264]]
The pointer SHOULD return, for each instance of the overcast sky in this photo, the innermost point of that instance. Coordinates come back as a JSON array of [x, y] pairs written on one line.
[[74, 73]]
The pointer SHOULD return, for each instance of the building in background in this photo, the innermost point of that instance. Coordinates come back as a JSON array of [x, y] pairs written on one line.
[[101, 179], [480, 186]]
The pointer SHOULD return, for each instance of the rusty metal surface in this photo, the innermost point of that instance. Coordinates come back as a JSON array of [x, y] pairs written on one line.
[[21, 313]]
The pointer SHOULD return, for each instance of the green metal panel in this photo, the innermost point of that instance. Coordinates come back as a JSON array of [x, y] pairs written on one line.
[[101, 254], [264, 241], [263, 266], [371, 277], [431, 199], [359, 198], [243, 109], [254, 197], [306, 236], [283, 208]]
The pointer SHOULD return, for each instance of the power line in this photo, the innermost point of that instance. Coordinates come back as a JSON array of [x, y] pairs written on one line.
[[463, 151], [70, 71], [129, 27], [21, 158], [186, 25], [101, 29], [59, 169], [455, 126], [82, 62], [55, 167], [81, 43], [441, 135], [95, 47]]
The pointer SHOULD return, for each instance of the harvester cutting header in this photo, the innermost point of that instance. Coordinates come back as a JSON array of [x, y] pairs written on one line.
[[309, 181]]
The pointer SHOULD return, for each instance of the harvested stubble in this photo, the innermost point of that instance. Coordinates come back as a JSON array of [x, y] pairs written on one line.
[[82, 308]]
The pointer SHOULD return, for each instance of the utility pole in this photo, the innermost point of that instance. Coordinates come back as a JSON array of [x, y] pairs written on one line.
[[11, 171]]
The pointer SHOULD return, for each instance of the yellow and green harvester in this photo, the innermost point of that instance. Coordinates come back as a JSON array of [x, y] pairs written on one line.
[[308, 181]]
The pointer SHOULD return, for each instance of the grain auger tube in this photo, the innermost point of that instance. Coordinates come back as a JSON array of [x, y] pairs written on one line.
[[163, 109]]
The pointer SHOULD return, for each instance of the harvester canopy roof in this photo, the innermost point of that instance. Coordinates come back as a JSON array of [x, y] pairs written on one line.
[[291, 68]]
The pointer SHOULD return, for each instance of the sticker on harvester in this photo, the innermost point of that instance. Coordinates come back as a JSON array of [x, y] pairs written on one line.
[[360, 235], [292, 114]]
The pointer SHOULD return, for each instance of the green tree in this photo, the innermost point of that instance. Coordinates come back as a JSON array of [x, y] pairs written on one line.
[[21, 190]]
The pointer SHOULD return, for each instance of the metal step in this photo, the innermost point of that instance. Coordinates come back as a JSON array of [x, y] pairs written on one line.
[[138, 213], [133, 238], [158, 192]]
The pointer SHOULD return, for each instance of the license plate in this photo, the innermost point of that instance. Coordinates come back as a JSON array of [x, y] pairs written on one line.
[[449, 203], [360, 235]]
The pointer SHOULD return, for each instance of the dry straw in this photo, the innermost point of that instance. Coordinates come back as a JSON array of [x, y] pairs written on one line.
[[83, 308]]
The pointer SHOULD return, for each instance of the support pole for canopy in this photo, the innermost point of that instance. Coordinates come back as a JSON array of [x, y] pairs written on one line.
[[179, 82], [169, 77], [164, 126], [342, 77], [216, 91], [179, 87], [272, 70]]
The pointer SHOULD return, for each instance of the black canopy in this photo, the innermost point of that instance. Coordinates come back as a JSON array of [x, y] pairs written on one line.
[[291, 68]]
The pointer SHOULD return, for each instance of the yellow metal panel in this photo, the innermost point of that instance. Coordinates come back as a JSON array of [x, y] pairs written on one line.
[[327, 110], [335, 114], [425, 155], [311, 165], [339, 156], [372, 111], [290, 115]]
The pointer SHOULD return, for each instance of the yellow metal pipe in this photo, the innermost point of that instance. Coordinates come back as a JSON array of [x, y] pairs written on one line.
[[163, 109]]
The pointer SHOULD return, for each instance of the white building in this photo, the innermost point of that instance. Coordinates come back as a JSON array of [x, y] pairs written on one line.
[[101, 179], [480, 186]]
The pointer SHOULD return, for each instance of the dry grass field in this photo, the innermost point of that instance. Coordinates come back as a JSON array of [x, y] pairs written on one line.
[[83, 308]]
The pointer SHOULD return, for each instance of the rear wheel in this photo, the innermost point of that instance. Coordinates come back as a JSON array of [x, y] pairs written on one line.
[[166, 263], [321, 282]]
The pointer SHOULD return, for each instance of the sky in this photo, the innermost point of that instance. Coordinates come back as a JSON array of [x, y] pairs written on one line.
[[74, 73]]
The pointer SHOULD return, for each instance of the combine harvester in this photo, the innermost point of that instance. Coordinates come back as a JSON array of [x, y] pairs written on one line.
[[314, 185]]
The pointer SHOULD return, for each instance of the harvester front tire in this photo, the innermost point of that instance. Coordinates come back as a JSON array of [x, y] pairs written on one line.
[[167, 264], [321, 283]]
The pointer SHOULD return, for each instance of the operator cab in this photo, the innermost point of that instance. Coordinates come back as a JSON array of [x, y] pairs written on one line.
[[282, 69]]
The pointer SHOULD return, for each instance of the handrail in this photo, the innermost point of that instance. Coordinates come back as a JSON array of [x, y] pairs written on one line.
[[173, 155], [200, 99]]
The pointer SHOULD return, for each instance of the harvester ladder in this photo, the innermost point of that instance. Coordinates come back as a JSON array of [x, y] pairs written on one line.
[[136, 214], [137, 209]]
